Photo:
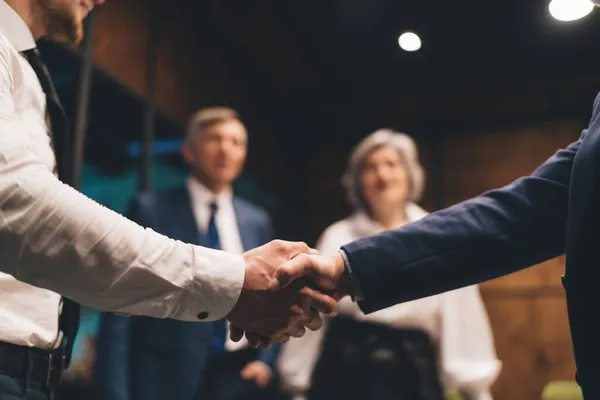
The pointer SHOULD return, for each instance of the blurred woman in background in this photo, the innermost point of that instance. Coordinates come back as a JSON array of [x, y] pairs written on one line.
[[421, 350]]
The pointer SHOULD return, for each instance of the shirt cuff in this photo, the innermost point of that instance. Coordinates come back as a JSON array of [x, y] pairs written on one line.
[[355, 292], [215, 287]]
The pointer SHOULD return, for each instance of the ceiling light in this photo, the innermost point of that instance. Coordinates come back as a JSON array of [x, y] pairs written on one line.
[[409, 41], [570, 10]]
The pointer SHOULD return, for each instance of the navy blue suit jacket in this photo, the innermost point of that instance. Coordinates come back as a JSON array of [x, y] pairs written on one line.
[[142, 358], [553, 211]]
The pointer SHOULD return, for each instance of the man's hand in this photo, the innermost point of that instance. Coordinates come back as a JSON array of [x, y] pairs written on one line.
[[326, 273], [258, 372], [276, 313]]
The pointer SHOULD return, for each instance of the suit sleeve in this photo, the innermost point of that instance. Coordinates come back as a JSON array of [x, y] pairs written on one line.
[[113, 356], [495, 234]]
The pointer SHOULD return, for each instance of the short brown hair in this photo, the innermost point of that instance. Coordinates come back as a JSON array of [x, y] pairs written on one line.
[[208, 117]]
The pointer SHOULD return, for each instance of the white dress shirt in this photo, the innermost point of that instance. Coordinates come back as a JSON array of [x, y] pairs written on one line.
[[54, 237], [456, 321], [227, 225]]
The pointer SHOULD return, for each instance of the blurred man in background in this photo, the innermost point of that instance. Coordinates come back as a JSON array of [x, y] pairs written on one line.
[[142, 358]]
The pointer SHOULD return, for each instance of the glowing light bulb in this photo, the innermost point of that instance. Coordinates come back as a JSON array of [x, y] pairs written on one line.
[[570, 10], [409, 41]]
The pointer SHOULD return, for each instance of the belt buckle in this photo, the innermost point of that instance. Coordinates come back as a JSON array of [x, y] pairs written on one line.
[[50, 370]]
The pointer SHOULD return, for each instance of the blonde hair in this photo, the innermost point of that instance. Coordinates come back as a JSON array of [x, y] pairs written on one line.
[[406, 148], [208, 117]]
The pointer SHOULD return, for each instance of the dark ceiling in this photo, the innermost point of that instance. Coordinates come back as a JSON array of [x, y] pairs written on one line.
[[333, 61], [465, 42]]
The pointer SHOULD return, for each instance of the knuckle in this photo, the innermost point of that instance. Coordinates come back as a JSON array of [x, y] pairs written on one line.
[[307, 320], [306, 293], [303, 246], [315, 320], [303, 259], [286, 247], [283, 272], [316, 327], [299, 333]]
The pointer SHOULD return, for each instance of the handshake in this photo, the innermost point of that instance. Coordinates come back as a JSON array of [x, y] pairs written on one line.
[[286, 287]]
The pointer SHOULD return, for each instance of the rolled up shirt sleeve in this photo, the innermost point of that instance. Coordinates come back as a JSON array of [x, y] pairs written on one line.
[[56, 238]]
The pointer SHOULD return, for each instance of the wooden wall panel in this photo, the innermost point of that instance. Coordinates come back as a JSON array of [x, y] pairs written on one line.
[[515, 334], [554, 359], [546, 274], [532, 340], [476, 163], [121, 39], [190, 73]]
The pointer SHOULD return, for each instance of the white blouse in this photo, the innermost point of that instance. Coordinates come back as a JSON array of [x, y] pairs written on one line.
[[456, 321]]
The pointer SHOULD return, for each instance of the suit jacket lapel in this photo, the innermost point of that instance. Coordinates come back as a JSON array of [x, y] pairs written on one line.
[[185, 219], [247, 231]]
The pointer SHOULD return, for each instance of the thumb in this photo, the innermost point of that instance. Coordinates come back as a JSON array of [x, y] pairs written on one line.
[[298, 267]]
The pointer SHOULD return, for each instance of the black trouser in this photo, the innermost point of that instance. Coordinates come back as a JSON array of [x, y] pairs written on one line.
[[223, 380], [24, 389], [29, 373], [369, 361]]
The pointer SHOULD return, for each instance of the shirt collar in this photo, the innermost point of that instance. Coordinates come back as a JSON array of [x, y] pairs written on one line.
[[15, 29], [201, 194]]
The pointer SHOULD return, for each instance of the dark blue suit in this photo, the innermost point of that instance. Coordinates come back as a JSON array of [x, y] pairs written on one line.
[[553, 211], [142, 358]]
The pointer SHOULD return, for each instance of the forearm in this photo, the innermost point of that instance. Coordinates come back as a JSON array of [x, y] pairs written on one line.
[[449, 251], [56, 238], [486, 237]]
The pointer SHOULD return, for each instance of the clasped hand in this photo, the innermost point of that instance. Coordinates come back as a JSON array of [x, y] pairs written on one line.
[[286, 287]]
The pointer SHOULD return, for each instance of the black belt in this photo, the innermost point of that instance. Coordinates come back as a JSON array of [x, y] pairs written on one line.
[[42, 366]]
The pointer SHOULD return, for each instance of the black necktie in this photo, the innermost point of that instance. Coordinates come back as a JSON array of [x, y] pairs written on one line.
[[213, 241], [59, 127], [59, 138]]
